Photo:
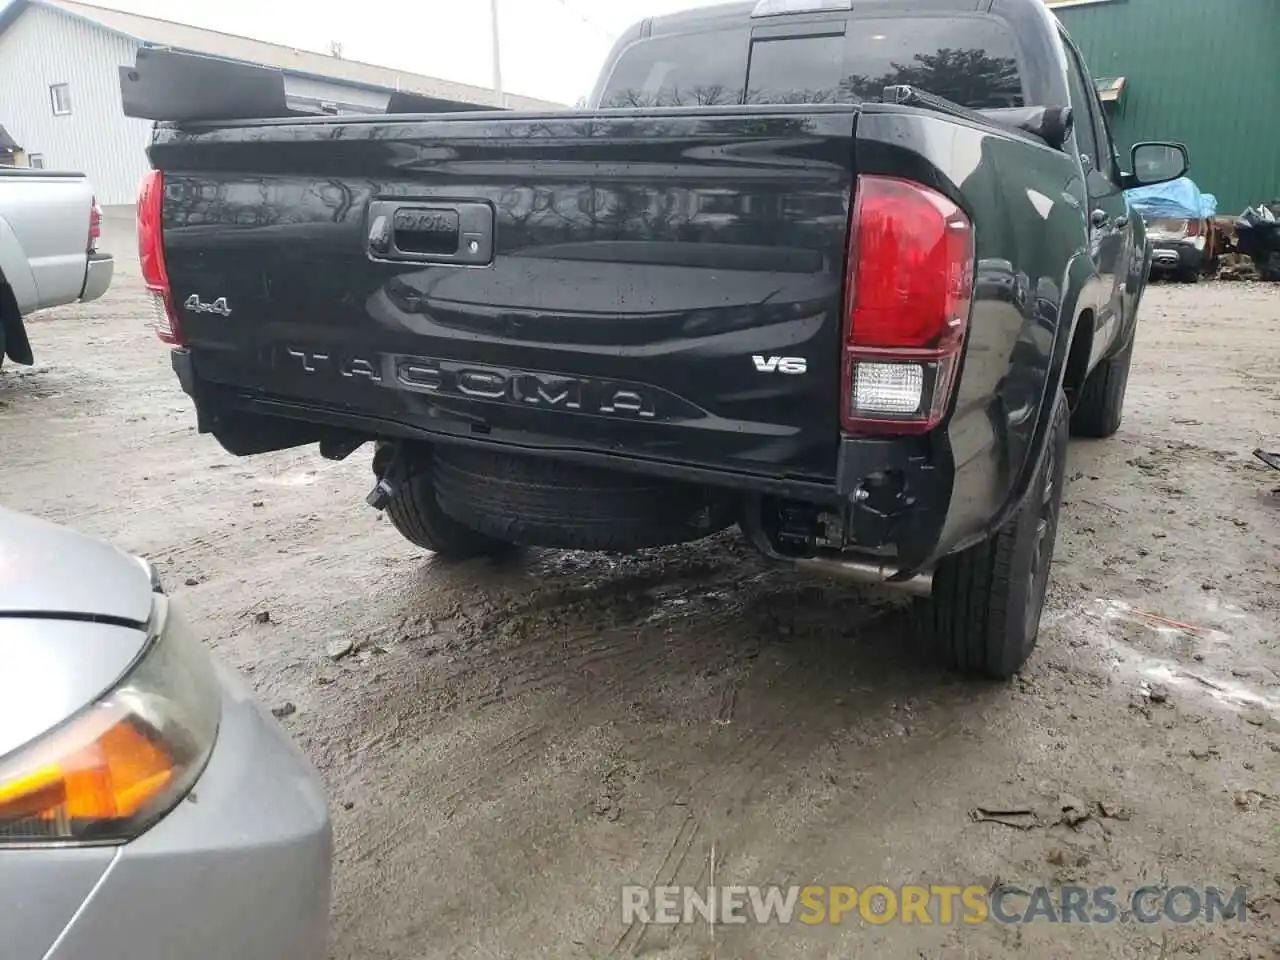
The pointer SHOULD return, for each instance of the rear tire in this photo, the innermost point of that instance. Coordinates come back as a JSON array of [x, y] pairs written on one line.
[[984, 617], [1101, 405], [416, 515], [567, 506]]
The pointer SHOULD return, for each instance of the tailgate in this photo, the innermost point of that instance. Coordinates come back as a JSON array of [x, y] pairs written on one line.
[[663, 285]]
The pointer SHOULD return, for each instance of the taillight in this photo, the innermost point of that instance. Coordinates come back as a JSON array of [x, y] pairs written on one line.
[[95, 225], [1191, 228], [151, 256], [908, 291]]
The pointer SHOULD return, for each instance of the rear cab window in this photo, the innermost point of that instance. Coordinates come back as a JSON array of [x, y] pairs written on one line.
[[683, 70], [970, 60]]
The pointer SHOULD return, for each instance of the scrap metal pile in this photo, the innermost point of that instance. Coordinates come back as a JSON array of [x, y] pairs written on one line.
[[1258, 239]]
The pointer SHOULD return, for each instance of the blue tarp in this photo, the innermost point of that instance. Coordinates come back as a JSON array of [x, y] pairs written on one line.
[[1178, 199]]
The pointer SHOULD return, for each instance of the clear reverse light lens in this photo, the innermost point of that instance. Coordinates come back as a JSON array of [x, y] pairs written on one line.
[[887, 388], [160, 316], [118, 766]]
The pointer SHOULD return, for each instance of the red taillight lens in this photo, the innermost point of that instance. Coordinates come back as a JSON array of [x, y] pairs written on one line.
[[909, 288], [1191, 228], [95, 225], [151, 257], [150, 245]]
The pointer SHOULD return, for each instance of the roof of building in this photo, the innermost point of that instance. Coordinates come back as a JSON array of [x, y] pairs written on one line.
[[180, 36], [7, 143]]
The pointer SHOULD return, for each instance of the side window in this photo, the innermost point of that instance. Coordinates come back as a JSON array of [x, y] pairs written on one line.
[[1101, 130], [1104, 156], [1082, 106]]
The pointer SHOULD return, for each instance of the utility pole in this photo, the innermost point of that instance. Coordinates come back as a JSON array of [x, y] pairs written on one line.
[[497, 54]]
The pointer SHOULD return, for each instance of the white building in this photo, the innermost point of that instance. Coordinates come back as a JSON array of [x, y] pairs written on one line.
[[60, 85]]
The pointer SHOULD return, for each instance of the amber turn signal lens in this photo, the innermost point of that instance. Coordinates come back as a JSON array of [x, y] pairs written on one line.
[[110, 778], [112, 770]]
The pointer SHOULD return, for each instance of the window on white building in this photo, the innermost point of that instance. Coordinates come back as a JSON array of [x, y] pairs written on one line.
[[60, 96], [35, 161]]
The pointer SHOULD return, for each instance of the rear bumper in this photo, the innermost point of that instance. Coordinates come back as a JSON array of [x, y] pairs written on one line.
[[97, 276], [890, 495], [1175, 255]]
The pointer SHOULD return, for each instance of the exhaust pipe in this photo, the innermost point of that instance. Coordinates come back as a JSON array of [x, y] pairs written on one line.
[[855, 571], [874, 574]]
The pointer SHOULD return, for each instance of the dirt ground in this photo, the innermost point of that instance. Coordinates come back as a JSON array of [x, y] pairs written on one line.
[[506, 747]]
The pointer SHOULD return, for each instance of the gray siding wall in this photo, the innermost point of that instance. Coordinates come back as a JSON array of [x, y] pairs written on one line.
[[42, 48]]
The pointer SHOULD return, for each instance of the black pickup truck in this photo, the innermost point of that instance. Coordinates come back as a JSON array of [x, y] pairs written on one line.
[[843, 274]]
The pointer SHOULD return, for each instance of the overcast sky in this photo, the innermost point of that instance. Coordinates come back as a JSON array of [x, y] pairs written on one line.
[[550, 48]]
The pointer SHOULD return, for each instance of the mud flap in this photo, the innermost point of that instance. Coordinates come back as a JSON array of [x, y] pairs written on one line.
[[13, 334]]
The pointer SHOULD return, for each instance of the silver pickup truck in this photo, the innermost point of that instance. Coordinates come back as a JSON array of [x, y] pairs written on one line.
[[49, 229]]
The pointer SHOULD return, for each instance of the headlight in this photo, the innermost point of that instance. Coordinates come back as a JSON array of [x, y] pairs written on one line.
[[119, 765]]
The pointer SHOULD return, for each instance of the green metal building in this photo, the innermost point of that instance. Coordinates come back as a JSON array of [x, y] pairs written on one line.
[[1204, 72]]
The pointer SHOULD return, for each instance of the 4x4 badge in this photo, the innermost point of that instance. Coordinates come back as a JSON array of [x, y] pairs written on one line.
[[195, 305]]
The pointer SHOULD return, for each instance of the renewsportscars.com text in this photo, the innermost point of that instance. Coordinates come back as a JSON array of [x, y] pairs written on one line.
[[935, 904]]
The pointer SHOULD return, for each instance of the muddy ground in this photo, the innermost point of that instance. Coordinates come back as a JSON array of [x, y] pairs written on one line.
[[506, 746]]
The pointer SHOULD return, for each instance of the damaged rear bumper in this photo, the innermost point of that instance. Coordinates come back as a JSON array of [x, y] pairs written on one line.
[[885, 509]]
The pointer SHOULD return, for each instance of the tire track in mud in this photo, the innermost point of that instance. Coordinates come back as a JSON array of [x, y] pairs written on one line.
[[213, 541], [637, 654], [746, 758], [588, 665], [720, 791]]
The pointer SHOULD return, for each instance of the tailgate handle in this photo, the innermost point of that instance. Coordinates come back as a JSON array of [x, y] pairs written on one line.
[[431, 231]]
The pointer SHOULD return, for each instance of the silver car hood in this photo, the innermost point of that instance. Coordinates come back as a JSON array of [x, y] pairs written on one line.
[[51, 571]]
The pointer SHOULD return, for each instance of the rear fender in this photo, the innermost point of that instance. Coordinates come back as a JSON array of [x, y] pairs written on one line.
[[18, 295], [1034, 280], [15, 271], [1138, 269], [1076, 306]]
